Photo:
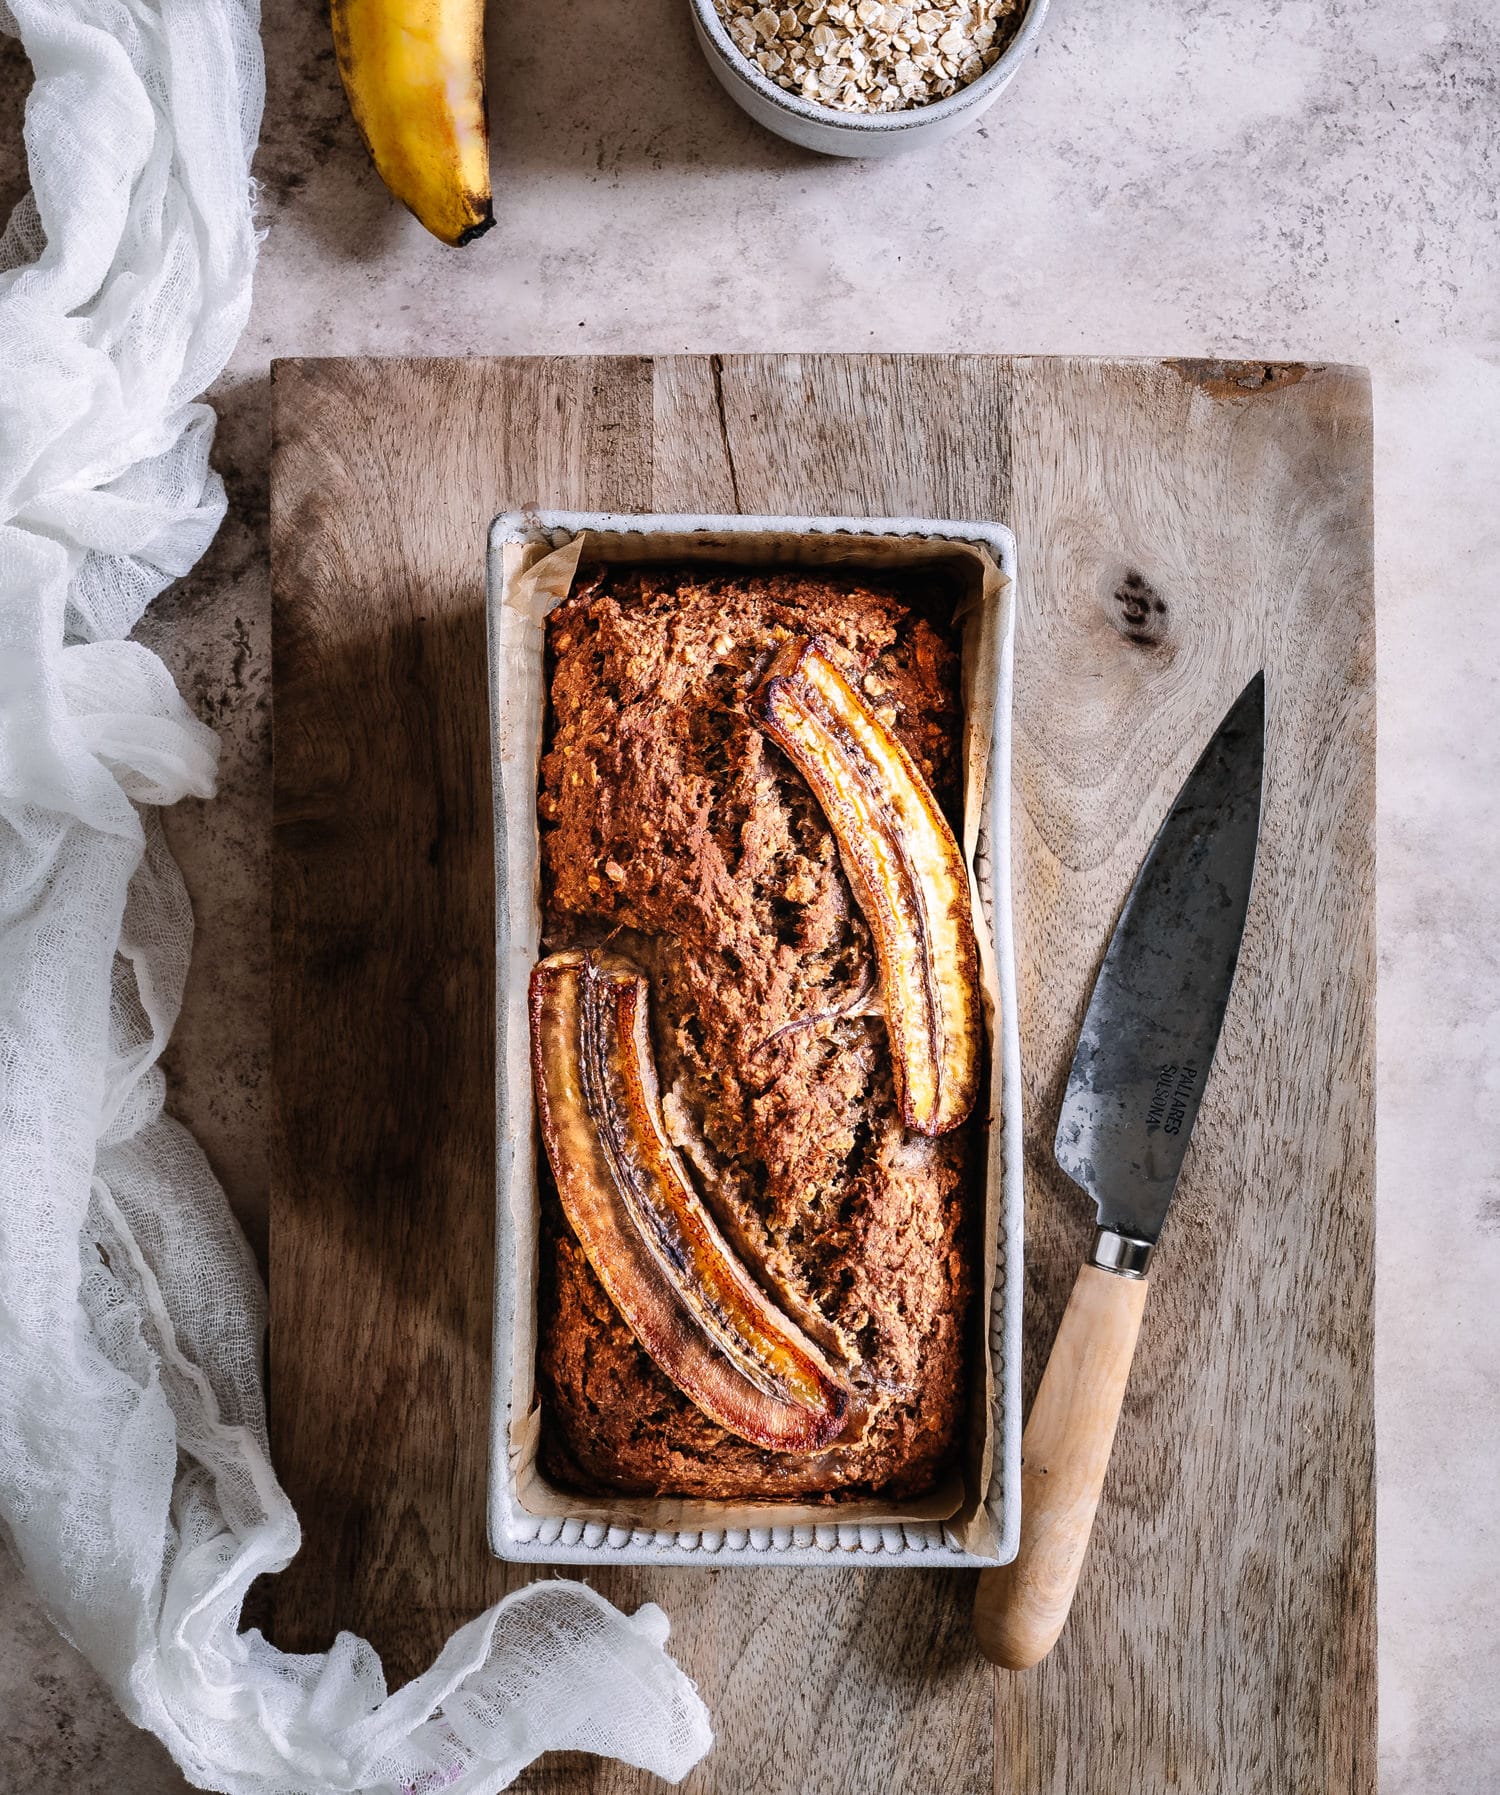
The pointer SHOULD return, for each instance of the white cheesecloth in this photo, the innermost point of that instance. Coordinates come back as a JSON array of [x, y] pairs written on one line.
[[135, 1484]]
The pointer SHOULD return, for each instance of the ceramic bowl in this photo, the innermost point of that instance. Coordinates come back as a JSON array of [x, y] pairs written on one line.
[[830, 129]]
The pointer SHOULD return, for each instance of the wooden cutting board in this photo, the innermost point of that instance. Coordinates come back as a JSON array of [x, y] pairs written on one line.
[[1180, 524]]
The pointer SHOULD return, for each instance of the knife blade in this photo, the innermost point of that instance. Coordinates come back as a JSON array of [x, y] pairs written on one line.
[[1153, 1022], [1139, 1073]]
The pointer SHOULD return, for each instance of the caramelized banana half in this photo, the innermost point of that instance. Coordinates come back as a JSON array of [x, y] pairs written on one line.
[[657, 1252], [907, 873]]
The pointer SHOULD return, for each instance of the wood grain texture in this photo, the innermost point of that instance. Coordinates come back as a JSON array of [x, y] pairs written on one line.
[[382, 921], [1179, 525], [1020, 1609], [1181, 530]]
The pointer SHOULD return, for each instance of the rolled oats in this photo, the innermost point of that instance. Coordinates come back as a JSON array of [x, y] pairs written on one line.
[[872, 55]]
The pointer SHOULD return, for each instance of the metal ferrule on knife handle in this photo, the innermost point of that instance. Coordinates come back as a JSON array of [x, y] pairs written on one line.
[[1125, 1256], [907, 873], [646, 1232]]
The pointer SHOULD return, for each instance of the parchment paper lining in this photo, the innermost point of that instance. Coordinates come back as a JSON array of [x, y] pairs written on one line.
[[536, 578]]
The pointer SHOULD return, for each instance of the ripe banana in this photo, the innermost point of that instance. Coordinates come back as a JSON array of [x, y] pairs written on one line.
[[661, 1259], [907, 873], [414, 74]]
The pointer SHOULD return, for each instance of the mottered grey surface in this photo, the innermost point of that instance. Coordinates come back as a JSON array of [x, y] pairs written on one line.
[[1179, 525]]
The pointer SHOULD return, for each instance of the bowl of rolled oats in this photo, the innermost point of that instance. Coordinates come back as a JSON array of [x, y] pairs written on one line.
[[866, 77]]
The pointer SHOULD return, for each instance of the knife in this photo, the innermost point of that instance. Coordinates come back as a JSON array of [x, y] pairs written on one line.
[[1138, 1077]]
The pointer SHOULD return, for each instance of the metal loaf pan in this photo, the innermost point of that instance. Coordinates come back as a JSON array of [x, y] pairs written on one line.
[[530, 1520]]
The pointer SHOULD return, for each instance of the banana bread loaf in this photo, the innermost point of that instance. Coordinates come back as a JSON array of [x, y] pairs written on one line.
[[673, 829]]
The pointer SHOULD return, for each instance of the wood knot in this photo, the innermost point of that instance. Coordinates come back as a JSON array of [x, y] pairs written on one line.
[[1139, 609]]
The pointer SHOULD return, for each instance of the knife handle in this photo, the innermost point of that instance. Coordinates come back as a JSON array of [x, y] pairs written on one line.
[[1020, 1608]]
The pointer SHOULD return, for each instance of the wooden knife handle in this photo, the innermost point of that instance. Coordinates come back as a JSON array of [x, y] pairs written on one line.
[[1021, 1607]]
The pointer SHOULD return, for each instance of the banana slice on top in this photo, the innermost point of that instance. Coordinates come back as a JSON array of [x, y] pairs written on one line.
[[907, 873], [657, 1251]]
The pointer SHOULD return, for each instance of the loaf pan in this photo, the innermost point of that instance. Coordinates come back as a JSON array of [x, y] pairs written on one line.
[[975, 1519]]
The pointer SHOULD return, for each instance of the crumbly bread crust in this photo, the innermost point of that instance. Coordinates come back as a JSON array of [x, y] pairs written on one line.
[[671, 825]]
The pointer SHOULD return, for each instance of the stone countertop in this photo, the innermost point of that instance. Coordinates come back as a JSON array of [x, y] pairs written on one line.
[[1289, 180]]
